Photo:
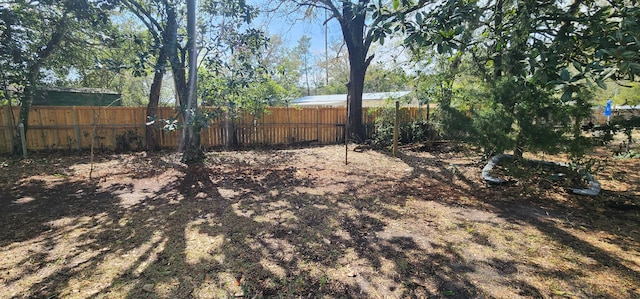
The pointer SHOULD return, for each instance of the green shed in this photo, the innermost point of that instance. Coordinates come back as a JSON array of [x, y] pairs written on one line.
[[50, 96]]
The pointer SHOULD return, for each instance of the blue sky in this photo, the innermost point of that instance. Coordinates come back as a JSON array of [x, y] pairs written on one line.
[[292, 27]]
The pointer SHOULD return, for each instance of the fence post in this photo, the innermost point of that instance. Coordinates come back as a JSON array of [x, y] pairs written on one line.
[[395, 130], [76, 127], [318, 125], [23, 139]]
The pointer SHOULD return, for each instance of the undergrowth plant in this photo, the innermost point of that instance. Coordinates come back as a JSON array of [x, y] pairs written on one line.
[[408, 131], [587, 165], [516, 115]]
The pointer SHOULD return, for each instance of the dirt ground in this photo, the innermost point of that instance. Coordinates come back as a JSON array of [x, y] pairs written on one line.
[[300, 223]]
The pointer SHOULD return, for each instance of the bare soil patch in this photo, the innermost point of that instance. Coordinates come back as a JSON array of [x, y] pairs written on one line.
[[300, 223]]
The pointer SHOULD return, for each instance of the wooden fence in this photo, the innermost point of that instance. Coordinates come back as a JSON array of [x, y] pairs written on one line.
[[123, 128]]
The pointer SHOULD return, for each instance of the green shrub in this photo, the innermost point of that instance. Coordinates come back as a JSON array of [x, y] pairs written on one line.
[[408, 131], [518, 116]]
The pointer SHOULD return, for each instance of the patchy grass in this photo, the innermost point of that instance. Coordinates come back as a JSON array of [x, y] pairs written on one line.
[[301, 223]]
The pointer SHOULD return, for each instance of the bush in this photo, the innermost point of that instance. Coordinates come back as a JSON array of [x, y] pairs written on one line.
[[408, 132], [418, 131], [520, 116]]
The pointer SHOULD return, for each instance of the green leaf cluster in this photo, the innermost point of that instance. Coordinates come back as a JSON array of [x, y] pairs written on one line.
[[535, 66]]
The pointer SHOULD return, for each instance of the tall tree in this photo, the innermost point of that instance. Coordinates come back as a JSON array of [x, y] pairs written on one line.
[[337, 67], [284, 70], [191, 132], [163, 18], [302, 50], [362, 23], [239, 80], [33, 33], [156, 19]]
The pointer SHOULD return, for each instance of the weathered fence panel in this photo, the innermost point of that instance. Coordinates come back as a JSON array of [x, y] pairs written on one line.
[[122, 128], [7, 129]]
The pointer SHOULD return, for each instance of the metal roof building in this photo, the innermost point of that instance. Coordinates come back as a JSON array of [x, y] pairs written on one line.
[[336, 100]]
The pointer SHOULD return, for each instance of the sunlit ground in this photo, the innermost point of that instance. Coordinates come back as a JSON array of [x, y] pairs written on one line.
[[301, 223]]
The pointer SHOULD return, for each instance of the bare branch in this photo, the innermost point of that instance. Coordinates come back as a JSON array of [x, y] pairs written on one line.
[[145, 17]]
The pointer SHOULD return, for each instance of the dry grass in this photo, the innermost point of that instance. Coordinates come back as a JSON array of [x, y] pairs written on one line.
[[301, 223]]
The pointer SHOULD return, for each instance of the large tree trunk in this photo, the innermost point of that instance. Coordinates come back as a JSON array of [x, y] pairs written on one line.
[[356, 86], [518, 148], [231, 136], [191, 134], [25, 105], [180, 80], [151, 132], [353, 29], [176, 58]]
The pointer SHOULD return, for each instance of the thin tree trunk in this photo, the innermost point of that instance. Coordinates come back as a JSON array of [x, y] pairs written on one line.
[[176, 58], [231, 138], [191, 137], [518, 148], [447, 93], [25, 104], [151, 132], [306, 75], [497, 27]]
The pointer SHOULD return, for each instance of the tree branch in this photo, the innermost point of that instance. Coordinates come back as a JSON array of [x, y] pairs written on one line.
[[56, 39], [390, 17], [145, 17]]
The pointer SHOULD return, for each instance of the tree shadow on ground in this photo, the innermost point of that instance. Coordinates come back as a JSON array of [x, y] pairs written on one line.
[[555, 219], [261, 236], [235, 227]]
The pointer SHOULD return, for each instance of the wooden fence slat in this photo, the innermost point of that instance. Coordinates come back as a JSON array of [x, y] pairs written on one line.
[[76, 127], [7, 116]]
